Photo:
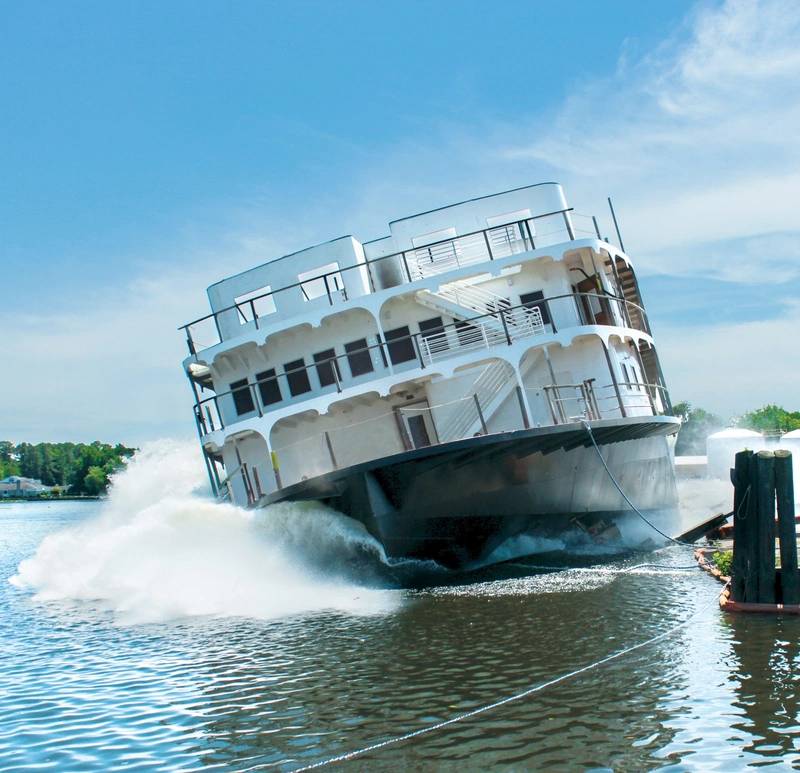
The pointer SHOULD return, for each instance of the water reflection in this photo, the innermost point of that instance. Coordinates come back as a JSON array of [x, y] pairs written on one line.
[[764, 665]]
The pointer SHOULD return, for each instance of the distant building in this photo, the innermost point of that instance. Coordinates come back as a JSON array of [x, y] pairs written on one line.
[[17, 486]]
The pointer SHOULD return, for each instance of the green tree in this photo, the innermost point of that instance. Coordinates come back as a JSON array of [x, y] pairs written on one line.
[[771, 418], [696, 425], [95, 481]]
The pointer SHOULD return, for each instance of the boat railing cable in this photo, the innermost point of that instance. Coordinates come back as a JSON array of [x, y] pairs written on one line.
[[503, 701]]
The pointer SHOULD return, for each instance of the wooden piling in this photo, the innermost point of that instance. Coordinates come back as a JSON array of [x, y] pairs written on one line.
[[740, 477], [750, 559], [784, 490], [765, 494]]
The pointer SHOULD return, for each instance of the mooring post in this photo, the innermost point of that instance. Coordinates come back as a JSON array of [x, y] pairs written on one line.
[[766, 526], [740, 477], [784, 491], [750, 558]]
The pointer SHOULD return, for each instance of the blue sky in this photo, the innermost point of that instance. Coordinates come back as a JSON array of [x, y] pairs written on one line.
[[150, 148]]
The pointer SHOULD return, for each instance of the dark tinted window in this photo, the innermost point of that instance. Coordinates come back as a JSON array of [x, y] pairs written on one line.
[[268, 387], [467, 333], [325, 367], [297, 377], [401, 350], [242, 397], [359, 357], [429, 327], [536, 300]]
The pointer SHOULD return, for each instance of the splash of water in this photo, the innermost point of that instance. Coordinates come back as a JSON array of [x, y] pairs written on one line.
[[160, 549]]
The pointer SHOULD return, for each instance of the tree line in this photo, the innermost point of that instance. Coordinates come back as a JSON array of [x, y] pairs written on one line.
[[699, 423], [83, 467]]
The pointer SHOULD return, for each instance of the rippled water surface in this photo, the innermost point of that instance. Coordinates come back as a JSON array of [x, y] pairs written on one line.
[[86, 685]]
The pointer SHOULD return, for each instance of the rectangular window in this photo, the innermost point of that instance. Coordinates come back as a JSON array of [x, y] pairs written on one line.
[[327, 367], [359, 357], [536, 300], [400, 345], [297, 377], [242, 397], [468, 334], [430, 327], [268, 387]]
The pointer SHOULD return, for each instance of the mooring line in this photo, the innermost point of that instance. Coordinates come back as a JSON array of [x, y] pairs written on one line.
[[510, 699], [626, 497]]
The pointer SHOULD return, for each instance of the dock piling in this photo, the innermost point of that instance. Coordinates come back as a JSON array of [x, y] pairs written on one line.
[[765, 494], [784, 490]]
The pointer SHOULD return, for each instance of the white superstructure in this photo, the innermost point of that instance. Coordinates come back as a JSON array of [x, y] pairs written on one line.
[[495, 314]]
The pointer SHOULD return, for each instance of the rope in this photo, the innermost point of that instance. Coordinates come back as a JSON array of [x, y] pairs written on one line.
[[502, 702], [625, 496]]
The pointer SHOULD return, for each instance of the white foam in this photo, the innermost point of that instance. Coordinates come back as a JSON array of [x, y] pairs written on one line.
[[160, 549]]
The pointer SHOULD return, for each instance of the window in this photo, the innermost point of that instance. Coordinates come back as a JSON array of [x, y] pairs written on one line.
[[431, 327], [536, 301], [467, 333], [263, 303], [297, 377], [268, 387], [327, 367], [242, 397], [323, 280], [359, 357], [400, 345]]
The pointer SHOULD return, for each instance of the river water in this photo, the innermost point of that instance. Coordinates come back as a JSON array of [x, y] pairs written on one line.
[[159, 631]]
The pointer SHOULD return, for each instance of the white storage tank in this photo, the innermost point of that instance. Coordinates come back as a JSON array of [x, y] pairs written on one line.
[[722, 447]]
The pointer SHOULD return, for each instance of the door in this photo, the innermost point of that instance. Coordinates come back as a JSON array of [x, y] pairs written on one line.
[[418, 432], [418, 425], [595, 310]]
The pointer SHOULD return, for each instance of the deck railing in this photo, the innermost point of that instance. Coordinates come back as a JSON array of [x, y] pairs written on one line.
[[398, 269], [498, 328]]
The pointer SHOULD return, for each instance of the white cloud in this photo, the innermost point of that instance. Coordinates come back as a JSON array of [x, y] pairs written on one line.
[[698, 140], [735, 367]]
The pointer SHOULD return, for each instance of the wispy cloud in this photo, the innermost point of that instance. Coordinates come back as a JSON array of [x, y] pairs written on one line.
[[697, 139]]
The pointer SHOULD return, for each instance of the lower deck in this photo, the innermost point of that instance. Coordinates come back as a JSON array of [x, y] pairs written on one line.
[[458, 502]]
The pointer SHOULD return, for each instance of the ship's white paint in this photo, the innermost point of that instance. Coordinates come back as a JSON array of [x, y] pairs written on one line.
[[510, 368]]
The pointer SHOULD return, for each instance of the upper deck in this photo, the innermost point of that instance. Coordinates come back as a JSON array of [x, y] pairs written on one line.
[[436, 242]]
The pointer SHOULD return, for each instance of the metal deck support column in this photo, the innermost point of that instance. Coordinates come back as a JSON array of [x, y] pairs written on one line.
[[614, 382]]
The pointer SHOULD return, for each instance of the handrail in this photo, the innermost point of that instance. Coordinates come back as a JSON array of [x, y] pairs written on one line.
[[418, 340], [366, 264]]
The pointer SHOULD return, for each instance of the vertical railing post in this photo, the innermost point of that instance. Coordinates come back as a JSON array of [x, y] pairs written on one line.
[[480, 413], [548, 395], [616, 225], [505, 326], [568, 223], [330, 450], [596, 228], [488, 246], [253, 311], [327, 289], [530, 233], [190, 342]]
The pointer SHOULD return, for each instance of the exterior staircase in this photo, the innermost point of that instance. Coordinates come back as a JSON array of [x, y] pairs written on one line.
[[498, 323], [627, 282]]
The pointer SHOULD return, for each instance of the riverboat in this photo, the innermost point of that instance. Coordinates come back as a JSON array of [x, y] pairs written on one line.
[[438, 384]]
